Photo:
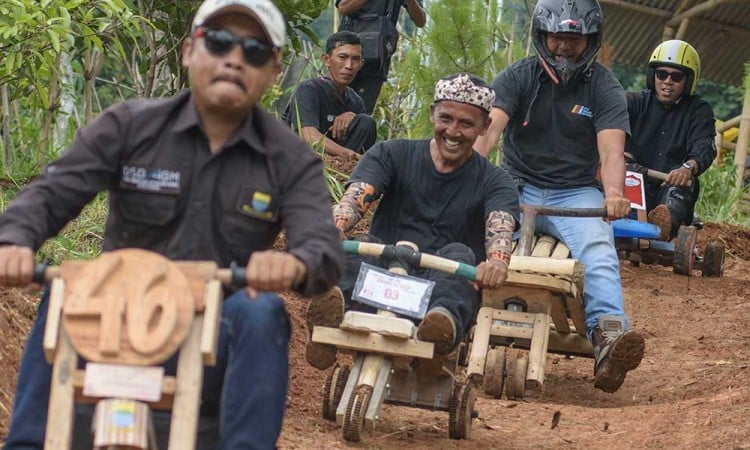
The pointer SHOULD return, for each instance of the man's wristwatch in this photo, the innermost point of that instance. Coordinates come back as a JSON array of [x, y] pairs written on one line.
[[690, 166]]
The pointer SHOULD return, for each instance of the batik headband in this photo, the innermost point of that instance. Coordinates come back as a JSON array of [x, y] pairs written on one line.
[[461, 89]]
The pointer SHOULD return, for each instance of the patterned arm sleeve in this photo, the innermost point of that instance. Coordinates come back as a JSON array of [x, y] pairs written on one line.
[[499, 236]]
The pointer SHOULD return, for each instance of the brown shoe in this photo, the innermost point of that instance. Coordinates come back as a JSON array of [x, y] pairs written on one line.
[[324, 310], [661, 217], [439, 328], [616, 352]]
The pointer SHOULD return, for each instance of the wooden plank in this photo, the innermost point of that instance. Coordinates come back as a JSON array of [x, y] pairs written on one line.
[[168, 386], [513, 316], [182, 431], [570, 344], [511, 331], [54, 314], [379, 388], [538, 351], [577, 315], [59, 432], [480, 344], [394, 327], [538, 281], [561, 251], [547, 266], [373, 343], [211, 322], [544, 246]]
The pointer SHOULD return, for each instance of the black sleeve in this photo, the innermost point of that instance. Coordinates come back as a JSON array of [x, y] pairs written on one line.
[[304, 108], [701, 137], [507, 88], [308, 220], [377, 167], [88, 166], [611, 108]]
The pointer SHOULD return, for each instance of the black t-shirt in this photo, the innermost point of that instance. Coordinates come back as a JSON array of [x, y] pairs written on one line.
[[430, 208], [662, 139], [550, 140], [379, 7], [317, 103]]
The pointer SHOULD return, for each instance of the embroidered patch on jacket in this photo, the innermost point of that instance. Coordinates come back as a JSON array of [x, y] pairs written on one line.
[[162, 181], [260, 206], [582, 111]]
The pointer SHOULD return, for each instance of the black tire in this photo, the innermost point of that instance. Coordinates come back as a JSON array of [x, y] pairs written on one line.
[[713, 260], [333, 390], [684, 251]]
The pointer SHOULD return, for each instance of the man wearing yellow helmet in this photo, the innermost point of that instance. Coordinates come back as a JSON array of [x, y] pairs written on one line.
[[672, 131]]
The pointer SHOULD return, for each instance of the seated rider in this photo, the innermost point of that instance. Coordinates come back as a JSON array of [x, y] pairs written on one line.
[[672, 131], [327, 106], [441, 195]]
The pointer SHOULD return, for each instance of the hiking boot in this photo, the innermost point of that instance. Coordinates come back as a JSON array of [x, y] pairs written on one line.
[[661, 217], [324, 310], [615, 352], [439, 328]]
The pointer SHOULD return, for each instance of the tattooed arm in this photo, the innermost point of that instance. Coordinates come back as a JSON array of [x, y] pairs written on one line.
[[353, 205], [498, 240]]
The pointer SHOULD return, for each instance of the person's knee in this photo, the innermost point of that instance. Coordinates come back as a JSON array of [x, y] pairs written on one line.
[[458, 252], [266, 312]]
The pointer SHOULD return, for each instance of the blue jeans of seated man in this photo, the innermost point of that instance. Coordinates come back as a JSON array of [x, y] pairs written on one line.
[[590, 240], [453, 293], [246, 389]]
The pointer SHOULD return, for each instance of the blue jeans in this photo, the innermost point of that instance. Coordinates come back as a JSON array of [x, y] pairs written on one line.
[[590, 241], [246, 389]]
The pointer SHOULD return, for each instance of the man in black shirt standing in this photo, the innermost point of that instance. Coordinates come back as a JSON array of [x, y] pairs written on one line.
[[672, 131], [373, 74], [204, 175], [327, 108]]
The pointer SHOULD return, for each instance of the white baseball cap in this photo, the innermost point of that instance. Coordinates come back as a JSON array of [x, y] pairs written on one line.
[[264, 11]]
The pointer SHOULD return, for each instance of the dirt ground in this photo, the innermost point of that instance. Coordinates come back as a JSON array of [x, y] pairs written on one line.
[[690, 391]]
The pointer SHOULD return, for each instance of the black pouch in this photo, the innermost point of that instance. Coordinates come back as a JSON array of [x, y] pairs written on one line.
[[378, 35]]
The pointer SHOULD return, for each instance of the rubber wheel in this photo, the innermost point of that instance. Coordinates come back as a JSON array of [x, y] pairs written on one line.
[[684, 251], [494, 372], [713, 260], [464, 350], [333, 390], [460, 410], [354, 418], [515, 383]]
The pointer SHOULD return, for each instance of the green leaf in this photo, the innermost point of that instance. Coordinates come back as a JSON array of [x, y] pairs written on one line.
[[54, 39]]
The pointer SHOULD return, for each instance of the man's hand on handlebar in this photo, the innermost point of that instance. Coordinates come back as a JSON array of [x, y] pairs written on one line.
[[273, 271], [681, 176], [16, 265], [617, 207], [491, 274]]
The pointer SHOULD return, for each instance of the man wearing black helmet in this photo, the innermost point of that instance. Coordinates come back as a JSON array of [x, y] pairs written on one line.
[[673, 132], [562, 114]]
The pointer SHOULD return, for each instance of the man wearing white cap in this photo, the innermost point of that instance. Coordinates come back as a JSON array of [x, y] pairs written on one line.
[[441, 195], [204, 175]]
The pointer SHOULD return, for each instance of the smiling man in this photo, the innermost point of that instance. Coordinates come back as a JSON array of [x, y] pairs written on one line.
[[204, 175], [441, 195], [672, 131], [562, 114], [327, 108]]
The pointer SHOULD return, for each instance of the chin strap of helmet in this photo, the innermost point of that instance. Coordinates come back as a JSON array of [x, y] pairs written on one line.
[[551, 73]]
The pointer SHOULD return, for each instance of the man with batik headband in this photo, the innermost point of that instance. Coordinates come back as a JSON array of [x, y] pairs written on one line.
[[443, 196]]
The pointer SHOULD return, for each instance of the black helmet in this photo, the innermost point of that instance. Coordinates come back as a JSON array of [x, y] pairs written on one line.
[[567, 16]]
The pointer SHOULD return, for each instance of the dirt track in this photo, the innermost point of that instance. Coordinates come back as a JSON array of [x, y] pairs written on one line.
[[691, 390]]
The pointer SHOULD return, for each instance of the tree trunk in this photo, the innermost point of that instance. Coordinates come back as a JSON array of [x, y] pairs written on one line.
[[7, 144]]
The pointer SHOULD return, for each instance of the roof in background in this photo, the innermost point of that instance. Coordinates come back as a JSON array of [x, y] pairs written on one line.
[[718, 29]]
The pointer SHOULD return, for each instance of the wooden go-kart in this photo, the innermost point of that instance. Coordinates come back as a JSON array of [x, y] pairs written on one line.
[[637, 243], [125, 313], [539, 309], [390, 364]]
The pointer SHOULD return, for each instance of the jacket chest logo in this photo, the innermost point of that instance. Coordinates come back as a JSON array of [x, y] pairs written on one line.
[[161, 181], [582, 111]]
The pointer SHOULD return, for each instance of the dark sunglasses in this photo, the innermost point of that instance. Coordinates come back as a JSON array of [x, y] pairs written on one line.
[[663, 75], [220, 42]]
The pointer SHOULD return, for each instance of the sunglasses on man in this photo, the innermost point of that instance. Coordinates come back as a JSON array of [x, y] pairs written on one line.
[[220, 42], [662, 75]]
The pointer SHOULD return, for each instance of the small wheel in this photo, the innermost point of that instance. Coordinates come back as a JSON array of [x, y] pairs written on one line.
[[333, 390], [460, 410], [354, 418], [464, 350], [684, 251], [494, 372], [515, 383], [713, 260]]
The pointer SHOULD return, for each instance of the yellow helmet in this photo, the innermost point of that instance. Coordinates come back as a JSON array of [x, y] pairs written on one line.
[[677, 54]]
